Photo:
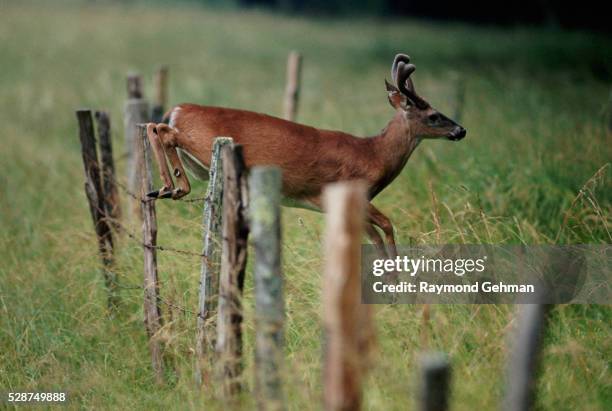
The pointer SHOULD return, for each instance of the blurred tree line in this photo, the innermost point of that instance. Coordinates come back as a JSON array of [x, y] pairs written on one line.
[[589, 14]]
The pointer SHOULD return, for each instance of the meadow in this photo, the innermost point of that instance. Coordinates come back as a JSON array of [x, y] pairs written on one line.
[[533, 169]]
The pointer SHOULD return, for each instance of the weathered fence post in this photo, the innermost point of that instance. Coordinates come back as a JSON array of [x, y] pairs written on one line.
[[459, 97], [348, 327], [97, 206], [265, 188], [152, 312], [524, 358], [109, 186], [435, 382], [161, 94], [211, 261], [292, 88], [136, 112], [233, 264]]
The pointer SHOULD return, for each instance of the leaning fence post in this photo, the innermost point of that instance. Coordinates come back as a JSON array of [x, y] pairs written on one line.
[[523, 363], [264, 216], [292, 88], [161, 94], [459, 98], [136, 111], [211, 261], [233, 264], [152, 312], [435, 382], [109, 186], [348, 327], [97, 207]]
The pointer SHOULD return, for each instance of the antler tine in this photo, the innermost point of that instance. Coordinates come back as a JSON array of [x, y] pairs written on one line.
[[405, 85], [399, 58]]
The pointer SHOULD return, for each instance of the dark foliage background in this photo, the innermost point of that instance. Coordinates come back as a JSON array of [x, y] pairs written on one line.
[[585, 14]]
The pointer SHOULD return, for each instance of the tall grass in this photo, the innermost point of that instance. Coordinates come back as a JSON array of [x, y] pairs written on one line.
[[531, 170]]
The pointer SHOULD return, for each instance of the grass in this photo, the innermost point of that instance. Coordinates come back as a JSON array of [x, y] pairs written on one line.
[[536, 112]]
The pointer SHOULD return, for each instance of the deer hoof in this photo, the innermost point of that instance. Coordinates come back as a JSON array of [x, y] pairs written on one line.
[[178, 193], [165, 194], [153, 194]]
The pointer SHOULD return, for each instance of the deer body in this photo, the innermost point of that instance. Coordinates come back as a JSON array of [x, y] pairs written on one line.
[[325, 155], [309, 157]]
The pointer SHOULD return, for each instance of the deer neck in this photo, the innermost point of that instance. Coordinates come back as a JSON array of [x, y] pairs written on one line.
[[393, 147]]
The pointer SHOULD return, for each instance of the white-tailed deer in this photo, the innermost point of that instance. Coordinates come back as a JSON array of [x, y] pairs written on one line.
[[309, 157]]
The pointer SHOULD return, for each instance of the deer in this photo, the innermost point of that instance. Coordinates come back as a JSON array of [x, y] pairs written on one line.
[[308, 157]]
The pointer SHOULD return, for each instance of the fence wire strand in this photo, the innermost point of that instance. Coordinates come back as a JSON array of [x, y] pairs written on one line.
[[116, 223], [136, 197]]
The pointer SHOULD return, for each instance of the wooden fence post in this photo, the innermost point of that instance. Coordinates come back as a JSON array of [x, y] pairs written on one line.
[[265, 188], [348, 326], [292, 88], [233, 264], [459, 97], [97, 206], [435, 382], [109, 186], [523, 362], [152, 311], [211, 261], [136, 112], [161, 94]]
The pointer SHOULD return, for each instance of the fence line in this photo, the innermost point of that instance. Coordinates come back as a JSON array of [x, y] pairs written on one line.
[[435, 382], [347, 322], [107, 172], [97, 202], [523, 363], [161, 94], [136, 111], [211, 262], [152, 311], [292, 88], [233, 265], [264, 212]]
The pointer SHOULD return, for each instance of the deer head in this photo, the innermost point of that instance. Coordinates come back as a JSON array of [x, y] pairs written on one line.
[[417, 116]]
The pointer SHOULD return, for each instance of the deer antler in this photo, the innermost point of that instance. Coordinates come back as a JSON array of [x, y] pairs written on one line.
[[400, 72]]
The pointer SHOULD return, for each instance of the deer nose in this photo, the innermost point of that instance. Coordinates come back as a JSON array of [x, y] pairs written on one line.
[[458, 133]]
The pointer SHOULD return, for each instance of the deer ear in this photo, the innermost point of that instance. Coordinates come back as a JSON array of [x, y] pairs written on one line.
[[396, 99]]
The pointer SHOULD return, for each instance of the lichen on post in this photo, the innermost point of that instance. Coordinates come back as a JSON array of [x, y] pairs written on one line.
[[233, 265], [211, 261], [136, 111], [264, 214], [97, 205], [152, 311]]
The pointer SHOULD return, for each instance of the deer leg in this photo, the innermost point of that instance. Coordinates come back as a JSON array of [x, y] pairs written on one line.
[[179, 172], [376, 238], [380, 220], [158, 152]]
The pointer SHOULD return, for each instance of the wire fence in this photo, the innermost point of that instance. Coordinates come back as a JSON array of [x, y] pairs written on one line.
[[116, 223]]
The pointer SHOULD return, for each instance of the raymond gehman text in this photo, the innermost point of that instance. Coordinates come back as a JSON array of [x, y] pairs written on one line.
[[484, 274], [439, 266]]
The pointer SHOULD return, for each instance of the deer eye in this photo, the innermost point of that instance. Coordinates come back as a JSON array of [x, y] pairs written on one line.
[[434, 118]]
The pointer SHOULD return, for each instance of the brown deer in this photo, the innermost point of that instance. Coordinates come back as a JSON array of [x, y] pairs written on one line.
[[309, 157]]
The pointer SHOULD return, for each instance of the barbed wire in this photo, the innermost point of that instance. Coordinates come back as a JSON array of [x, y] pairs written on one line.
[[116, 223], [137, 197], [160, 298]]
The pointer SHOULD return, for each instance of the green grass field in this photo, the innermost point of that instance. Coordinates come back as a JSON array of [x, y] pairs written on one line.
[[535, 108]]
